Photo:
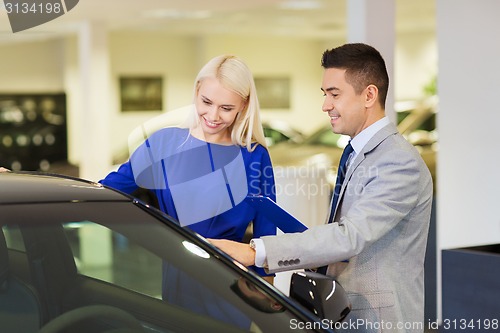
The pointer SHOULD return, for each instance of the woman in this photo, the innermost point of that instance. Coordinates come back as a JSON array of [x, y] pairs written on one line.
[[201, 172]]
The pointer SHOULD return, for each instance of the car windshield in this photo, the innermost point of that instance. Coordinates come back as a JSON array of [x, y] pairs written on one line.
[[83, 253], [425, 121], [325, 137]]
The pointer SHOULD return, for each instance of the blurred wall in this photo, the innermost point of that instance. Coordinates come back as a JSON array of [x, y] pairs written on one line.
[[32, 66], [52, 65], [416, 62]]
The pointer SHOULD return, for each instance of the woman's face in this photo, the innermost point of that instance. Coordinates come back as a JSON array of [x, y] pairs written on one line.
[[217, 109]]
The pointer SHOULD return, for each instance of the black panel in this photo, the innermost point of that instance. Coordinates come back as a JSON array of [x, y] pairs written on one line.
[[33, 133]]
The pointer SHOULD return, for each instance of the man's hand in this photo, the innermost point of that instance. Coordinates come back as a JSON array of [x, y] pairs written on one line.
[[242, 252], [2, 169]]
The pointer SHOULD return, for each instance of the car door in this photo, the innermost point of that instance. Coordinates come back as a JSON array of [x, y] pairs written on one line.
[[131, 261]]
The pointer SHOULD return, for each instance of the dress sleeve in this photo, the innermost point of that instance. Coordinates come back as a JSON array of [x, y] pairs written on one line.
[[122, 179]]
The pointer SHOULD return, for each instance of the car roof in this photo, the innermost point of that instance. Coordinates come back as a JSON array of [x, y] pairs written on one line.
[[29, 187]]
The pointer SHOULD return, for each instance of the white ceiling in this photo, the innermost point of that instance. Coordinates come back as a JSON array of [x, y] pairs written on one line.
[[319, 19]]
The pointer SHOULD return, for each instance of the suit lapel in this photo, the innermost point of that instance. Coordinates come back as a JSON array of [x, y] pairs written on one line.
[[379, 137]]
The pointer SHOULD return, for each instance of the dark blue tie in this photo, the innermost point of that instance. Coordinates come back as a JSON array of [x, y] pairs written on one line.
[[336, 192], [340, 178]]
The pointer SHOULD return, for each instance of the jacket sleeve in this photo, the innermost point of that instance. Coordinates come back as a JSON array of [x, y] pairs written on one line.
[[383, 200]]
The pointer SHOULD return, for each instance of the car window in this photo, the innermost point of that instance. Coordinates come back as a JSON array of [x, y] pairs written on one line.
[[273, 136], [326, 137], [425, 123], [14, 239], [117, 253], [104, 254]]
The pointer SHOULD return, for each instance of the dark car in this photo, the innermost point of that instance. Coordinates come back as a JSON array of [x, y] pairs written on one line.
[[76, 256]]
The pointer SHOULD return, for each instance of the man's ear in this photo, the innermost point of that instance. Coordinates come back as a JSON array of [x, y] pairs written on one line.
[[371, 95]]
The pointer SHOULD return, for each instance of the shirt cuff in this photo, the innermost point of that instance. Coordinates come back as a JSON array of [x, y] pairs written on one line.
[[260, 253]]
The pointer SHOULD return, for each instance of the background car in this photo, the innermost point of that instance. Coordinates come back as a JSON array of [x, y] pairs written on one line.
[[324, 148], [277, 131], [76, 256]]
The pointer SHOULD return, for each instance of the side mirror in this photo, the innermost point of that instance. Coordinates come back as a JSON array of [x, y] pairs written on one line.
[[320, 294]]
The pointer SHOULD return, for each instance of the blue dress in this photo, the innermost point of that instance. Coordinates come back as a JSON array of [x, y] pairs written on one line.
[[202, 185]]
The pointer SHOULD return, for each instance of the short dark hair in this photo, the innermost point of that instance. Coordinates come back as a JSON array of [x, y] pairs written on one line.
[[363, 64]]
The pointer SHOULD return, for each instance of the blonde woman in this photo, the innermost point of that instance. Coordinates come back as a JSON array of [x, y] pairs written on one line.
[[202, 171]]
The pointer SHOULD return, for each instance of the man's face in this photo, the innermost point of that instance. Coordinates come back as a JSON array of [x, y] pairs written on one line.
[[346, 109]]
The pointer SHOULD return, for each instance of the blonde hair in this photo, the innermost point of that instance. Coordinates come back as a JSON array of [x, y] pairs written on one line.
[[233, 74]]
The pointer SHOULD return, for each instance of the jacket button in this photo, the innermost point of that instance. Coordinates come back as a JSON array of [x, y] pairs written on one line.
[[296, 261], [280, 263], [286, 263]]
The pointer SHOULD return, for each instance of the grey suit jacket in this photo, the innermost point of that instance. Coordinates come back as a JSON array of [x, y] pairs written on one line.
[[380, 226]]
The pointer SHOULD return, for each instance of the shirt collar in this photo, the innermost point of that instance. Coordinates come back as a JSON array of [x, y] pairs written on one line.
[[360, 140]]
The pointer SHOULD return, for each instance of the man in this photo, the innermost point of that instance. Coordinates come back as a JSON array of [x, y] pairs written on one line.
[[375, 241]]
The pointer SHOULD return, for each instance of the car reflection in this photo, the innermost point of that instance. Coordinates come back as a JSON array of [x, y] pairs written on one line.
[[255, 297]]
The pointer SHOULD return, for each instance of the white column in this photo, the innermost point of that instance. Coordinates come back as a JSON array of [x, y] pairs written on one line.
[[468, 118], [95, 107], [95, 127], [373, 22]]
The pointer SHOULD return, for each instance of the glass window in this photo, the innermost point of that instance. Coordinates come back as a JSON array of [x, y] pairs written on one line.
[[117, 253], [109, 256], [325, 137], [13, 238], [273, 136]]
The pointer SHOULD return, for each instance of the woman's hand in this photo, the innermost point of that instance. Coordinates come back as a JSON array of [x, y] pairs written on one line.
[[2, 169]]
